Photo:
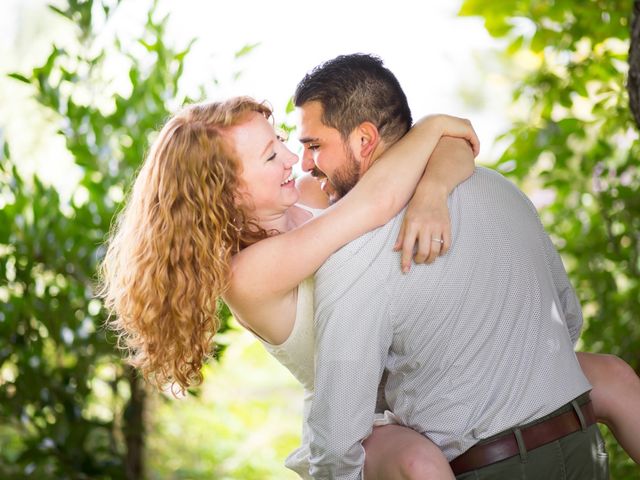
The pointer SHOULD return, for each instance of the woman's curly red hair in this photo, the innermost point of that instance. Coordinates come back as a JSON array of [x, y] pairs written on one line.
[[167, 260]]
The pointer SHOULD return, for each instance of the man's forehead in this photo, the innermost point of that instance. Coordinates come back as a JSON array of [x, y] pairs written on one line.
[[310, 125], [311, 110], [306, 120]]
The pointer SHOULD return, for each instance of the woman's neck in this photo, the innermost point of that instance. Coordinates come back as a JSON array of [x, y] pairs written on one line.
[[291, 218]]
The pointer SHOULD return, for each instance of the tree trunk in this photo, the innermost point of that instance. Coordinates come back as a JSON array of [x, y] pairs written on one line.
[[134, 427], [633, 84]]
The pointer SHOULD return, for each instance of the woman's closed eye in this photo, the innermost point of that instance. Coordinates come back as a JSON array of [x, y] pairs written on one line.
[[313, 147]]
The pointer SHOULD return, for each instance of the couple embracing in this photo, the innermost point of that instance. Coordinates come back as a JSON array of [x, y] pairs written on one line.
[[463, 367]]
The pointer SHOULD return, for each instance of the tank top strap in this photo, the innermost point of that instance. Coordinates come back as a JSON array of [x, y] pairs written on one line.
[[314, 211]]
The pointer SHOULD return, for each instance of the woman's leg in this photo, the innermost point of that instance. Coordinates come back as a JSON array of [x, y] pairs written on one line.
[[393, 452], [616, 398]]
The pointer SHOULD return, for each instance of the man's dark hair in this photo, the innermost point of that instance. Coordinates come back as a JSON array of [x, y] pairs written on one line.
[[357, 88]]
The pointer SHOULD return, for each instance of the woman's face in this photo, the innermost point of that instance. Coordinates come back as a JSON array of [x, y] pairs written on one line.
[[269, 188]]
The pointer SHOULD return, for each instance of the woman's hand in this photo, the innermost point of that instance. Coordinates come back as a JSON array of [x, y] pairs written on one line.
[[425, 232], [426, 229]]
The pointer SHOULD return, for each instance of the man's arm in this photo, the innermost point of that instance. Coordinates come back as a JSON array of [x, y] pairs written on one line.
[[569, 302], [352, 341]]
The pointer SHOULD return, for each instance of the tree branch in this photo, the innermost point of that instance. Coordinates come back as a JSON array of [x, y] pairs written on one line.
[[633, 83]]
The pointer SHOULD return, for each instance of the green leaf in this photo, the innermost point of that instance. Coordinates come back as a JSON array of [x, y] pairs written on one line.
[[6, 154], [58, 10], [19, 77], [290, 106], [580, 87], [515, 45], [246, 50]]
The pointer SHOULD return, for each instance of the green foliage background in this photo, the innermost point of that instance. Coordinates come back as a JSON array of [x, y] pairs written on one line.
[[69, 408], [576, 140], [66, 403]]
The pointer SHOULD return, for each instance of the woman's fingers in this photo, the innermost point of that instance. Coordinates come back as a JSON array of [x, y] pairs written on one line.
[[422, 239], [408, 247], [424, 249], [446, 240], [400, 238], [435, 241]]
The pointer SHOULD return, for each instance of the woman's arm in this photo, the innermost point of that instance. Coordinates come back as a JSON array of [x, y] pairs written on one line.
[[427, 214], [275, 266], [426, 219]]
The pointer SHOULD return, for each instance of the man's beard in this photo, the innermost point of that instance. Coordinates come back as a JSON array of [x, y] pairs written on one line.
[[344, 179]]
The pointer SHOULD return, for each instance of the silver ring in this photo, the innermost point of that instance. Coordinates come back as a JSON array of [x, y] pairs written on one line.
[[439, 240]]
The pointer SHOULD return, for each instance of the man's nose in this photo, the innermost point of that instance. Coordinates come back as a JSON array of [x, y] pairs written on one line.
[[307, 161]]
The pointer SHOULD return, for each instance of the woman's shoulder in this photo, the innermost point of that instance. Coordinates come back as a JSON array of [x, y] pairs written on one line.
[[311, 194], [313, 211]]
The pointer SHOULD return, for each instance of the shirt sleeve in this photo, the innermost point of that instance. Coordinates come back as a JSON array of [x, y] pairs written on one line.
[[351, 343], [569, 303]]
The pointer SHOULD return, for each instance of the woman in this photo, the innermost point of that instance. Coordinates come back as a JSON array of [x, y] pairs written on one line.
[[213, 214]]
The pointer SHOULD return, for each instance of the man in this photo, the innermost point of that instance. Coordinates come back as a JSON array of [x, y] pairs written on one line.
[[478, 346]]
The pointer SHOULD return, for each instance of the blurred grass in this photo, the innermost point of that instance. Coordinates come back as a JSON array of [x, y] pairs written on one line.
[[243, 424]]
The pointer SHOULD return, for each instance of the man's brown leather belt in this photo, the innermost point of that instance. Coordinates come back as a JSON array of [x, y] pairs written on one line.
[[534, 436]]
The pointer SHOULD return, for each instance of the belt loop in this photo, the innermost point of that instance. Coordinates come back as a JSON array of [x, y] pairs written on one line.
[[578, 410], [522, 448]]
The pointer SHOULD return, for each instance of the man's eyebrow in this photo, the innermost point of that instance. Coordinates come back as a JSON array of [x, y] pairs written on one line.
[[308, 139]]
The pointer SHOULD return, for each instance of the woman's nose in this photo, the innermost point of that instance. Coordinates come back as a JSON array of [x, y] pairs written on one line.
[[291, 158]]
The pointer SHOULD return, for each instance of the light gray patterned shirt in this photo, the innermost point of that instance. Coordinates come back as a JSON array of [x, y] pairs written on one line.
[[477, 342]]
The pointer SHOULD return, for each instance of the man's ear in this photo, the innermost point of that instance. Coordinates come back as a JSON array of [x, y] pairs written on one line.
[[367, 139]]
